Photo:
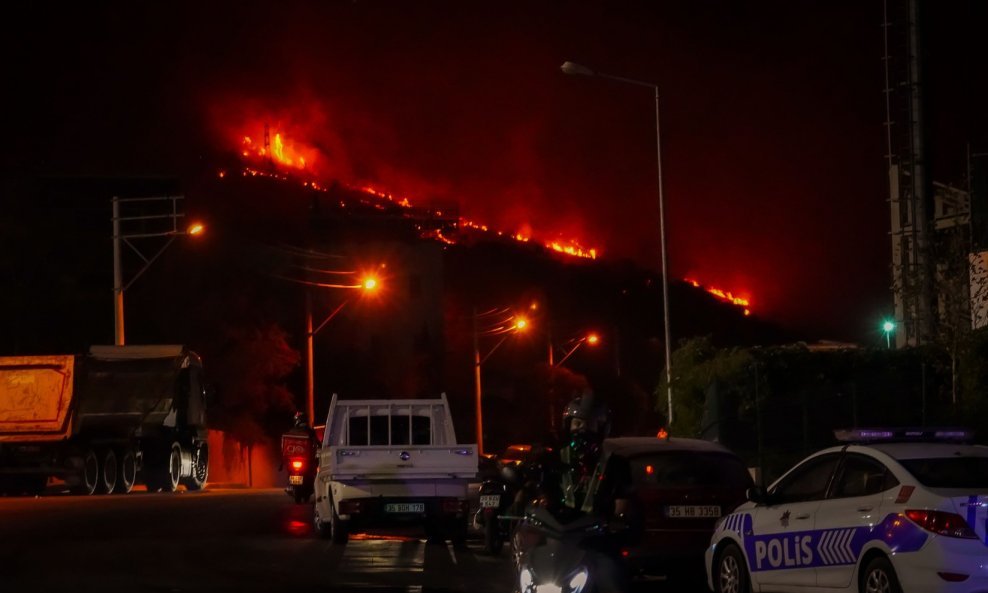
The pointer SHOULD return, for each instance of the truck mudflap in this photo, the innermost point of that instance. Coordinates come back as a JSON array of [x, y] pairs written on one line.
[[35, 397]]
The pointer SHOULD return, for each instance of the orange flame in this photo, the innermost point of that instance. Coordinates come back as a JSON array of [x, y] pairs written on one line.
[[298, 156], [288, 153], [723, 295]]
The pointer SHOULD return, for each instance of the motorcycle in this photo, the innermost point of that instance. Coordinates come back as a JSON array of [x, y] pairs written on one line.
[[299, 456], [495, 498], [565, 557]]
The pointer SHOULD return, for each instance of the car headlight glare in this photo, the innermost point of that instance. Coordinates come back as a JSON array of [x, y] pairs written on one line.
[[578, 581], [525, 580]]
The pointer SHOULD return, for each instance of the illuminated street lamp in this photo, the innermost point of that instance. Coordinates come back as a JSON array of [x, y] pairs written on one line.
[[169, 215], [591, 339], [888, 327], [498, 322], [367, 285], [579, 70]]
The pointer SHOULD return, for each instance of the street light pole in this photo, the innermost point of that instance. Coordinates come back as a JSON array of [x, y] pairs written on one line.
[[578, 70], [476, 386], [118, 304], [310, 406], [505, 328], [121, 237]]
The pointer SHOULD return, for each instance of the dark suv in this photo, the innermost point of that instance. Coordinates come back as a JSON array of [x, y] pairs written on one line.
[[676, 489]]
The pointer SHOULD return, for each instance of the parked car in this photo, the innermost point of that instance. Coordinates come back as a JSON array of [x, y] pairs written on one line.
[[678, 488], [515, 455], [890, 510]]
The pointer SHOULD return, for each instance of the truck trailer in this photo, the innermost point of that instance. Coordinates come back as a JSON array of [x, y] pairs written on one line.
[[104, 421]]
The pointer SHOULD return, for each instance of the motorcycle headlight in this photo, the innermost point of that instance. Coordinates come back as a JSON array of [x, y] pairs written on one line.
[[578, 581], [525, 580]]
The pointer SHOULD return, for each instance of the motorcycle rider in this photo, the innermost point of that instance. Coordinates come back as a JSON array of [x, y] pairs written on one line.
[[301, 426], [574, 484]]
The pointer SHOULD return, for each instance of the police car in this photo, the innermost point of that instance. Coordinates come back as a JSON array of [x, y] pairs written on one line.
[[889, 511]]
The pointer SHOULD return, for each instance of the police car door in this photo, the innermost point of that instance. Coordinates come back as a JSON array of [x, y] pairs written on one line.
[[845, 518], [778, 549]]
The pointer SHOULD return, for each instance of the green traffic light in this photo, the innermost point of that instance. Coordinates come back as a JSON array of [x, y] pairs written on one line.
[[889, 326]]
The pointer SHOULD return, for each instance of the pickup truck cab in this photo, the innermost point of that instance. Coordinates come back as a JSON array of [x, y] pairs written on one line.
[[392, 463]]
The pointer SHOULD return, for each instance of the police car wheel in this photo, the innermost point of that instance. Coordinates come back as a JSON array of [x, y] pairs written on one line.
[[731, 575], [879, 577]]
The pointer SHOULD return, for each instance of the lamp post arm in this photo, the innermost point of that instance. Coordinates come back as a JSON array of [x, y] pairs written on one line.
[[488, 355], [570, 352], [628, 81], [147, 261], [330, 316]]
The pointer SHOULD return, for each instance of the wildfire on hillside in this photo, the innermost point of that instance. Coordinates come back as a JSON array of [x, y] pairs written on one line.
[[282, 155], [724, 295]]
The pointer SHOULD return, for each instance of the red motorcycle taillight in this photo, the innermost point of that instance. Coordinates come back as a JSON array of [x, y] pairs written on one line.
[[297, 464], [943, 523]]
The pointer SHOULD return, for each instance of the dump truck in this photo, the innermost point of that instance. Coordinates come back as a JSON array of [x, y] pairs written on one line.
[[104, 421], [392, 463]]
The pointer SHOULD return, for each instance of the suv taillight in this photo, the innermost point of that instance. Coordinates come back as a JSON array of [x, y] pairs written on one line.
[[943, 523], [349, 507]]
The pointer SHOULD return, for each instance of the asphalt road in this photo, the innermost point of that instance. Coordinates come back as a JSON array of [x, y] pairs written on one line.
[[220, 540]]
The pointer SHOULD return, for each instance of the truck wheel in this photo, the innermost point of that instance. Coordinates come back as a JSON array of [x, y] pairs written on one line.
[[493, 542], [127, 474], [163, 471], [321, 528], [339, 529], [89, 474], [200, 468], [107, 471], [174, 476]]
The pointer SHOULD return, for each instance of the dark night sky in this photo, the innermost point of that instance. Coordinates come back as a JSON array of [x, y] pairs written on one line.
[[772, 119]]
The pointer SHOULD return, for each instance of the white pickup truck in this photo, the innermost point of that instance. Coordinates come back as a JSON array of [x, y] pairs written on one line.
[[392, 463]]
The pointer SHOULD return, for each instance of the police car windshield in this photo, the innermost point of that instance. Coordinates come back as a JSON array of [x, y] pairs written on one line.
[[949, 472]]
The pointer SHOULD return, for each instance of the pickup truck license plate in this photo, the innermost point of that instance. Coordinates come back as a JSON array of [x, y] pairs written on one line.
[[693, 512], [488, 501], [409, 507], [295, 480]]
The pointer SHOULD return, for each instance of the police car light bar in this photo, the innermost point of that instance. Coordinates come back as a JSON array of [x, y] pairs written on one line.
[[873, 435]]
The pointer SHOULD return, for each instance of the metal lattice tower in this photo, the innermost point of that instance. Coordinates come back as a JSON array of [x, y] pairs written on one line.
[[910, 189]]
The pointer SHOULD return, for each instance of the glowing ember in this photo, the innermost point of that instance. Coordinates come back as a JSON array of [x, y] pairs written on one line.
[[723, 295]]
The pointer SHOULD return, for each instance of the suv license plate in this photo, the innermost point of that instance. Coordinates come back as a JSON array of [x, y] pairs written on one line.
[[412, 507], [488, 501], [693, 512]]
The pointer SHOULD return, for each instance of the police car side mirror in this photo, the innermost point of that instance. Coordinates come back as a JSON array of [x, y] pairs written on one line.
[[757, 495]]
